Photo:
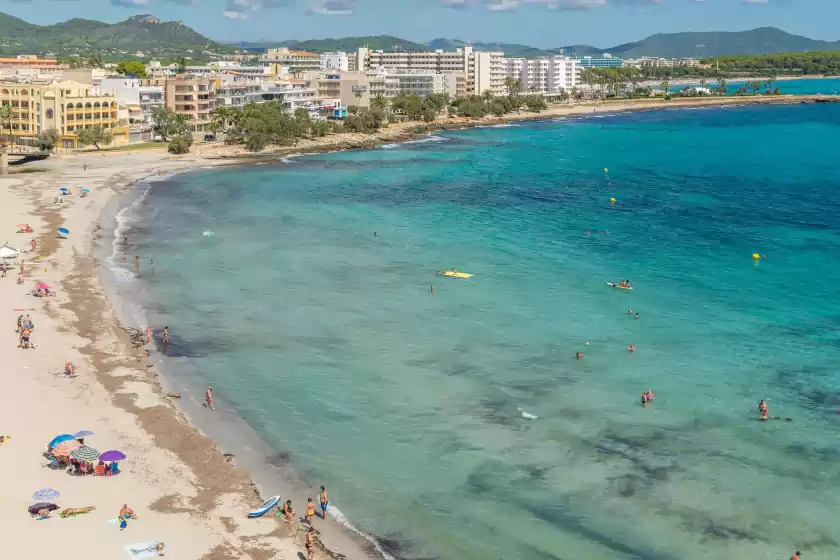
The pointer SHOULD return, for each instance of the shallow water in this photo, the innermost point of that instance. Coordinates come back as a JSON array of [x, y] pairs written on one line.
[[411, 407]]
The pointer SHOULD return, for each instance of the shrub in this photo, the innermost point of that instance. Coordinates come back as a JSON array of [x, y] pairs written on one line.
[[180, 145]]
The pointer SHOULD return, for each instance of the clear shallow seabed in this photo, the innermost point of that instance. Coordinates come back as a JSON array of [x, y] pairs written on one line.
[[408, 405], [804, 86]]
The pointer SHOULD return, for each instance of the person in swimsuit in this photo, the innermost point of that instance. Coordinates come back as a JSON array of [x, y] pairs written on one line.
[[310, 511], [310, 544], [762, 408], [629, 311], [579, 356], [288, 511], [148, 334], [796, 556], [637, 316], [631, 348], [649, 396], [644, 400], [324, 502], [208, 398], [166, 335]]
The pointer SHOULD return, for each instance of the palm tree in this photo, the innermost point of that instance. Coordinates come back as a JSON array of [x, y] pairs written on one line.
[[513, 86], [181, 124], [722, 82], [703, 83], [665, 85], [379, 102], [221, 117], [487, 95], [95, 61], [7, 115], [181, 65]]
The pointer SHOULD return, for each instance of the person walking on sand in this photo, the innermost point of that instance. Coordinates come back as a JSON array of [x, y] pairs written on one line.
[[137, 261], [324, 502], [166, 335], [125, 257], [148, 334], [310, 544], [208, 398], [21, 267], [34, 244]]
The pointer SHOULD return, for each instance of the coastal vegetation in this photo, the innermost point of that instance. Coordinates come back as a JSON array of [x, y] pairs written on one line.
[[95, 136], [827, 62], [47, 140]]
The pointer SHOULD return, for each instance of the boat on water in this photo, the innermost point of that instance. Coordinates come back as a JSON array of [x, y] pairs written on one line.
[[454, 274], [619, 286]]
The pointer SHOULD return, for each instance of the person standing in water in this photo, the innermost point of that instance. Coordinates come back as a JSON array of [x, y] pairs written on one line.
[[148, 334], [324, 502], [310, 511], [431, 290], [208, 398], [762, 408], [166, 335]]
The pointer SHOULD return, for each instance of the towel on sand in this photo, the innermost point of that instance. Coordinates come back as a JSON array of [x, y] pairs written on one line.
[[141, 551]]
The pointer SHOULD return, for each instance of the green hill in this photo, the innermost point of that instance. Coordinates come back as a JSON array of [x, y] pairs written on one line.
[[84, 37], [347, 44]]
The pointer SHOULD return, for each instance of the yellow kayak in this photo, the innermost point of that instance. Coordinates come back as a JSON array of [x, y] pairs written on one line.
[[456, 274]]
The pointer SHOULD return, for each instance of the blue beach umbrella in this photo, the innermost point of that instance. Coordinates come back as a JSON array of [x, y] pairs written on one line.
[[64, 231], [85, 190], [45, 495], [83, 433], [58, 439], [63, 189]]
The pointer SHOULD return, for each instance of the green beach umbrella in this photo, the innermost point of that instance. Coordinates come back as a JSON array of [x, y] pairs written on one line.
[[85, 453]]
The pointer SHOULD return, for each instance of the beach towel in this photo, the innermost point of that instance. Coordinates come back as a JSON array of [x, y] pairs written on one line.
[[141, 551], [72, 512]]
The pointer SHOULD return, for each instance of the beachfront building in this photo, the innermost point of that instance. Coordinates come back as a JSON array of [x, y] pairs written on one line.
[[189, 95], [546, 75], [155, 70], [605, 61], [480, 70], [342, 89], [653, 62], [150, 97], [31, 61], [65, 106], [335, 61], [237, 90], [292, 61], [293, 93], [422, 83], [129, 112]]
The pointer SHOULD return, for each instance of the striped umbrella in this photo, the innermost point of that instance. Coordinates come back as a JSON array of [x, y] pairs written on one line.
[[85, 453], [65, 448]]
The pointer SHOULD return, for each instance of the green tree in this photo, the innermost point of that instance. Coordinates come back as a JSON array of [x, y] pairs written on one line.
[[722, 82], [134, 68], [181, 124], [379, 102], [95, 136], [180, 145], [95, 61], [181, 65], [48, 139], [535, 103], [513, 86], [162, 121], [7, 115], [487, 95], [665, 85]]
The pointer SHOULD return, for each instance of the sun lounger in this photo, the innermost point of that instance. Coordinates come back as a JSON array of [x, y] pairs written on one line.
[[141, 551]]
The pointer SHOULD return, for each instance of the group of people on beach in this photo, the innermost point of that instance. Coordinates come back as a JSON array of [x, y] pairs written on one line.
[[289, 514]]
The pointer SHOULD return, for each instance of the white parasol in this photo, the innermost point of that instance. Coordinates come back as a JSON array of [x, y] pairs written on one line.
[[7, 252]]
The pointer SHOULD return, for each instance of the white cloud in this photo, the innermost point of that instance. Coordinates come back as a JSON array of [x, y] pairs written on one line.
[[332, 7], [755, 1], [502, 5], [236, 15], [130, 3]]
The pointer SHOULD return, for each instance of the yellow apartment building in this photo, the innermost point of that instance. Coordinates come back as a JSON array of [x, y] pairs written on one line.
[[65, 106], [189, 95]]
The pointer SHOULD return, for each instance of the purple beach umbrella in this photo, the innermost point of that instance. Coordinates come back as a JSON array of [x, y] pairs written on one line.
[[112, 455], [83, 434]]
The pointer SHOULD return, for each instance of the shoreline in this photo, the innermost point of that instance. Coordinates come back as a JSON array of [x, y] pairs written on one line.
[[126, 378]]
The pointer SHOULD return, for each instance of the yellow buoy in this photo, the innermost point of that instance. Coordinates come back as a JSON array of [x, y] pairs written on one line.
[[756, 256], [612, 200]]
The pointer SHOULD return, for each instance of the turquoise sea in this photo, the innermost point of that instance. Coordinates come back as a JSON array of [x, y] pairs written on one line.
[[804, 86], [459, 424]]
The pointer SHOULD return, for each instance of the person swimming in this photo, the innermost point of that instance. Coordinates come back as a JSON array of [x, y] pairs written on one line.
[[649, 396], [579, 355], [762, 408], [629, 311], [631, 347], [644, 400]]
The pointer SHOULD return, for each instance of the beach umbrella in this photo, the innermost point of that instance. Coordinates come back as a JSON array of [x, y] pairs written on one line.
[[63, 189], [23, 225], [112, 455], [63, 232], [83, 434], [85, 190], [45, 495], [35, 508], [7, 252], [65, 448], [60, 439], [85, 453], [41, 286]]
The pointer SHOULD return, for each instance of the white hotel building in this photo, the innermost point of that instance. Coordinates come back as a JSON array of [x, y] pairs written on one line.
[[550, 74], [481, 70]]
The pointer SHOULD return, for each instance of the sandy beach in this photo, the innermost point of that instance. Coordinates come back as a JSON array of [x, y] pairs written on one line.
[[185, 492]]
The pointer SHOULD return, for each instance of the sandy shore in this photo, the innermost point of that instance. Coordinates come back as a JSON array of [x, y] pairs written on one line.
[[185, 492]]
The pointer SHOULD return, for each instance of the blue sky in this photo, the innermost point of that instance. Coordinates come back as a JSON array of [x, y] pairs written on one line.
[[541, 23]]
